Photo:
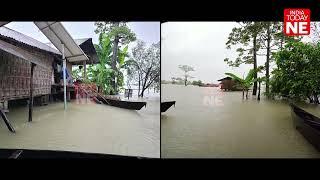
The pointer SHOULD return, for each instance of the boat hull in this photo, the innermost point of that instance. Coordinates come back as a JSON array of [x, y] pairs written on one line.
[[307, 124], [166, 105], [132, 105], [50, 154]]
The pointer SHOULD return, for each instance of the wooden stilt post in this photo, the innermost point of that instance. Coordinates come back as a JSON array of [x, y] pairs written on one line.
[[31, 93], [6, 120], [84, 76], [84, 70]]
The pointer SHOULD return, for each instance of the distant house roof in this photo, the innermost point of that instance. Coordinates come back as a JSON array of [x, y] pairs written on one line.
[[22, 38], [226, 78]]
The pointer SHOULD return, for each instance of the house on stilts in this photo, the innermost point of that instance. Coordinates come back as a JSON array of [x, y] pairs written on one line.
[[31, 71]]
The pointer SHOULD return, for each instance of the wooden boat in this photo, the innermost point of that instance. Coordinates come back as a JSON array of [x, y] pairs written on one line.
[[50, 154], [307, 124], [101, 99], [166, 105], [133, 105]]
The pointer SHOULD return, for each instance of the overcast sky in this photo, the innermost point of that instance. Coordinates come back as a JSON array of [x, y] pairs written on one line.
[[200, 45], [146, 31]]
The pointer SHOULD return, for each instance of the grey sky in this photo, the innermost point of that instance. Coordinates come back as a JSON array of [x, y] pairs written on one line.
[[146, 31], [202, 46], [198, 44]]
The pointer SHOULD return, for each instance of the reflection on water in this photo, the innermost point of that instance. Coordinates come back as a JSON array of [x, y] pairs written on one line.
[[86, 128], [207, 122]]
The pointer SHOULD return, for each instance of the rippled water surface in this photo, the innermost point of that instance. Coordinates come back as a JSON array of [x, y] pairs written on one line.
[[207, 122], [86, 127]]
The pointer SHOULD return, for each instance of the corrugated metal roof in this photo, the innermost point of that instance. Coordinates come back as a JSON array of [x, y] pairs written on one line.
[[15, 35], [17, 51], [87, 47], [58, 35], [78, 41]]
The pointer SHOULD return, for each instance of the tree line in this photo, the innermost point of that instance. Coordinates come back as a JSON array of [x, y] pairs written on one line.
[[296, 75]]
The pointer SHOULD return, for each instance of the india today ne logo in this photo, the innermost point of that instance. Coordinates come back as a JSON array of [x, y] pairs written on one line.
[[296, 22]]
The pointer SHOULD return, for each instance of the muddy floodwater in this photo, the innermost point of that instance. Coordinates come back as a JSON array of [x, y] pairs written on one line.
[[207, 122], [86, 127]]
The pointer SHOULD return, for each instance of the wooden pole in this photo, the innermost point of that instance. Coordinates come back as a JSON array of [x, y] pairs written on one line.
[[31, 93], [6, 120], [84, 70]]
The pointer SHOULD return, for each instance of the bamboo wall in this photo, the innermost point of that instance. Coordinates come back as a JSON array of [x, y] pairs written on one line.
[[15, 76]]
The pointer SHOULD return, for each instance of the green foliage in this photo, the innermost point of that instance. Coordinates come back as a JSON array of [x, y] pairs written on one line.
[[76, 74], [243, 36], [114, 29], [119, 35], [246, 82], [297, 75], [260, 79], [102, 73], [197, 83]]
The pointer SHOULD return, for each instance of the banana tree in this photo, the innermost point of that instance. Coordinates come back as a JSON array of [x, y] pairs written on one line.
[[121, 65], [245, 83], [102, 74], [259, 80]]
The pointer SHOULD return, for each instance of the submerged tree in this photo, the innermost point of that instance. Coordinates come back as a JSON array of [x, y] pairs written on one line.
[[254, 37], [259, 80], [247, 35], [246, 82], [144, 66], [120, 35], [272, 39], [186, 69]]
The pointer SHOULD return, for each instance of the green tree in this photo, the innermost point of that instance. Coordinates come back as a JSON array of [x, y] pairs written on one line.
[[247, 35], [271, 40], [197, 83], [297, 75], [102, 73], [120, 35], [186, 69]]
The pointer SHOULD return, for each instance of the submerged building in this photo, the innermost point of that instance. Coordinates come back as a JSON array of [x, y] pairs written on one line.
[[228, 84], [17, 54]]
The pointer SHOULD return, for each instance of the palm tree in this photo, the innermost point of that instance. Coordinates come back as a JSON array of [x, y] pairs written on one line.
[[245, 83]]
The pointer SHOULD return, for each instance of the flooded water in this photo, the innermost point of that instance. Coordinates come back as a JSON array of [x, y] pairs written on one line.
[[207, 122], [86, 127]]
